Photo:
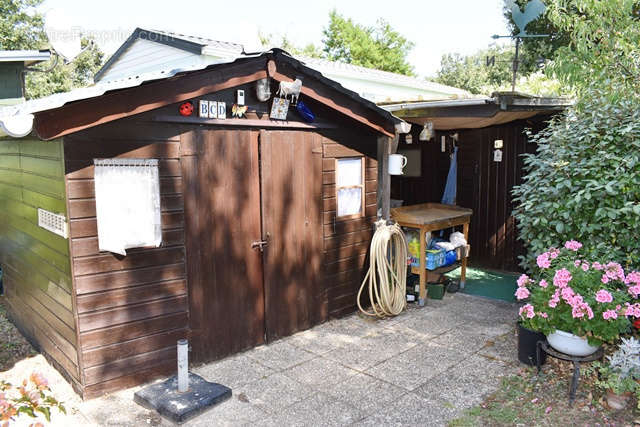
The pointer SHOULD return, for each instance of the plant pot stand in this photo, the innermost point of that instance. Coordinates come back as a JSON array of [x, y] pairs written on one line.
[[544, 346]]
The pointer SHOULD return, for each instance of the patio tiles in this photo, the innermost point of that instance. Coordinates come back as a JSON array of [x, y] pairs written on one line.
[[233, 371], [416, 366], [366, 393], [320, 409], [465, 339], [273, 393], [464, 384], [320, 373], [433, 323], [374, 348], [503, 348], [410, 410], [233, 412], [280, 355]]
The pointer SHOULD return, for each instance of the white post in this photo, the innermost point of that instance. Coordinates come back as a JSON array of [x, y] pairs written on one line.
[[183, 365]]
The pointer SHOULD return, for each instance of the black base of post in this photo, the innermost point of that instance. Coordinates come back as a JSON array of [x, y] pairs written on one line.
[[180, 407]]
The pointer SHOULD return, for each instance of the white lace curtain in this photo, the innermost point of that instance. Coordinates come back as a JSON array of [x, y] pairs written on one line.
[[127, 204], [350, 186]]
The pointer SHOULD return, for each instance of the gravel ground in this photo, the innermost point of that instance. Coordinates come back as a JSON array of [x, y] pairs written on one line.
[[13, 346]]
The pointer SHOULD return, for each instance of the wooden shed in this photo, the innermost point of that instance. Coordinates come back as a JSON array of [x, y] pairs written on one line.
[[484, 179], [253, 245]]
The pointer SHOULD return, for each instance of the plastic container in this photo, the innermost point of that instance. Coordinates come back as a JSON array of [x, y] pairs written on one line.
[[527, 341], [435, 290]]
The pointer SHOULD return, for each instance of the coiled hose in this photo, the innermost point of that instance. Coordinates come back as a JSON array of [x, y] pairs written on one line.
[[387, 275]]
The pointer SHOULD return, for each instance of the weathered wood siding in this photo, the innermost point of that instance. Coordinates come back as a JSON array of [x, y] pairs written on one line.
[[346, 242], [35, 262], [131, 310], [483, 185]]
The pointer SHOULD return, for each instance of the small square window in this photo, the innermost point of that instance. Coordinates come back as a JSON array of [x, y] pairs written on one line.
[[127, 204], [350, 187]]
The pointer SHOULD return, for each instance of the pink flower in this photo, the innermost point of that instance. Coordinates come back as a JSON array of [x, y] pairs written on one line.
[[604, 296], [634, 290], [585, 266], [633, 277], [522, 293], [527, 309], [543, 283], [614, 271], [597, 265], [553, 303], [576, 312], [610, 314], [577, 263], [568, 294], [553, 253], [543, 260], [605, 279], [543, 314], [562, 278], [573, 245], [523, 280]]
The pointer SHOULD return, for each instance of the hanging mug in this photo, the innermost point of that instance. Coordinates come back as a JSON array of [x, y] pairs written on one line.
[[396, 163]]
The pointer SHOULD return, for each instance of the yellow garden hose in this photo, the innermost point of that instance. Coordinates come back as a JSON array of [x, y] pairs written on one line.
[[387, 275]]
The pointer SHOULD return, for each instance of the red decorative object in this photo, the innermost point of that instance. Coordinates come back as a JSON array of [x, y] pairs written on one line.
[[186, 108], [636, 324]]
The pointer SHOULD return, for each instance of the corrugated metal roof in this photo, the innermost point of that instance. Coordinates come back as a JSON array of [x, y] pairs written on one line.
[[17, 120], [27, 56], [203, 41], [357, 71]]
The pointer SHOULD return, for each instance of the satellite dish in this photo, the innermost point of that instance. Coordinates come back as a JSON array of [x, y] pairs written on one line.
[[63, 36]]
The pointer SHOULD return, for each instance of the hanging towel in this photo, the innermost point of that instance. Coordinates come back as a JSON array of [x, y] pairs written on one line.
[[449, 196]]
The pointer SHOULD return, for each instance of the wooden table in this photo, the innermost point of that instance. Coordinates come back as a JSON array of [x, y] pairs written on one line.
[[430, 217]]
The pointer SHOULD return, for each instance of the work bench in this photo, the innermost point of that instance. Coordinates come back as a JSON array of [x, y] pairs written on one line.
[[427, 217]]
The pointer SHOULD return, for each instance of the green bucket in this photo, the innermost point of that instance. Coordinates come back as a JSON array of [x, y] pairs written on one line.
[[435, 290]]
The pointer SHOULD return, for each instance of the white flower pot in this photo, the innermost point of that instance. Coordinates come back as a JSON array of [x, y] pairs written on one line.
[[570, 344]]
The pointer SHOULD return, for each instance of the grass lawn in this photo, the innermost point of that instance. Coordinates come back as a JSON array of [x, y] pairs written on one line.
[[530, 400]]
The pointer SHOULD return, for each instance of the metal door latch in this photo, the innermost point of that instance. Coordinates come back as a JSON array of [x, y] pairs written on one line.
[[259, 244]]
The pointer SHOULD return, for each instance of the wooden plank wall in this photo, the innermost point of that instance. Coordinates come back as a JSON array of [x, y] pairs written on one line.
[[35, 262], [131, 309], [346, 242], [483, 185]]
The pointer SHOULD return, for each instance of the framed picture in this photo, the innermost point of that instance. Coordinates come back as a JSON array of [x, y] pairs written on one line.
[[279, 109]]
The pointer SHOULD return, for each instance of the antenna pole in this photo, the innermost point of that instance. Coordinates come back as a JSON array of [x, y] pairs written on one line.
[[515, 65]]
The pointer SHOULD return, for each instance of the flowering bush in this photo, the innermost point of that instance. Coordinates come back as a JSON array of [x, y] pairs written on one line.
[[589, 299], [30, 398]]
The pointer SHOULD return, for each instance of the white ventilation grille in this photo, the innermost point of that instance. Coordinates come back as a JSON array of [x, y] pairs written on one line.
[[53, 222]]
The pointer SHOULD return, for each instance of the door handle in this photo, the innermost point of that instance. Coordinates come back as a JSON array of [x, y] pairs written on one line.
[[259, 244]]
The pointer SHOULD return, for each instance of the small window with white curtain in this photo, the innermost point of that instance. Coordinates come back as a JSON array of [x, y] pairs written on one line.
[[350, 187], [127, 204]]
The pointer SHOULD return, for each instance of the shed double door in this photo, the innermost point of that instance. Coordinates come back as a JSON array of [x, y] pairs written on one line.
[[258, 202]]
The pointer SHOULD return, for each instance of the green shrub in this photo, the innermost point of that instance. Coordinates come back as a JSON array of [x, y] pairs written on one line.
[[584, 181]]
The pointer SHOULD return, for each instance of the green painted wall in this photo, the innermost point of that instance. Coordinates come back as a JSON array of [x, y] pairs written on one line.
[[35, 261]]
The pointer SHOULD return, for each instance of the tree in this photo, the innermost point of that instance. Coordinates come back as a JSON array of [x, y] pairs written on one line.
[[584, 181], [472, 72], [65, 77], [22, 27], [310, 50], [378, 47]]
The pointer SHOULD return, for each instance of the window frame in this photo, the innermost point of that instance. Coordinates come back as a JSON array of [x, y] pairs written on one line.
[[361, 186]]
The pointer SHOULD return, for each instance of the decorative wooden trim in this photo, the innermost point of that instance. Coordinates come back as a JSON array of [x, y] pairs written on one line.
[[361, 187], [116, 105], [254, 123], [327, 99]]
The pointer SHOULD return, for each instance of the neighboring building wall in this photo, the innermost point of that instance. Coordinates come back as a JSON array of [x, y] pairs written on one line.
[[131, 309], [35, 262], [11, 82], [346, 242]]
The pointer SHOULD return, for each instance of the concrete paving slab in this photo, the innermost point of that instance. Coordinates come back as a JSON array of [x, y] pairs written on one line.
[[320, 373], [410, 410], [503, 348], [280, 355], [233, 371], [465, 339], [366, 393], [274, 393], [320, 409], [234, 412], [417, 365]]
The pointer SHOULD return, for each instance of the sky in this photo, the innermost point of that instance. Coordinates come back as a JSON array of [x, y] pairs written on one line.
[[435, 26]]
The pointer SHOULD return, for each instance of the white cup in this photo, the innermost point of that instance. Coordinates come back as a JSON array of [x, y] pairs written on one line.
[[396, 163]]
